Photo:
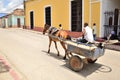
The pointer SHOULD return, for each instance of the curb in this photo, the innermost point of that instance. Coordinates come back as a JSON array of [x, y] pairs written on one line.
[[112, 47], [9, 69]]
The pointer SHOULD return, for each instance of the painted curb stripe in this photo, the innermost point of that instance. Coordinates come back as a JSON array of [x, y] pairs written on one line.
[[12, 73]]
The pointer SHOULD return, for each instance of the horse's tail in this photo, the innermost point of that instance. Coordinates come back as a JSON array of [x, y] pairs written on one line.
[[68, 37]]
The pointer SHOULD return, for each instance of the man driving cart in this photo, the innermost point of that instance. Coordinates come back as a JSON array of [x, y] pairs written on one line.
[[87, 35]]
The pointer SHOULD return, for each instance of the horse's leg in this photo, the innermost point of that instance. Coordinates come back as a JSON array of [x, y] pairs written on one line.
[[56, 47], [63, 45], [50, 41]]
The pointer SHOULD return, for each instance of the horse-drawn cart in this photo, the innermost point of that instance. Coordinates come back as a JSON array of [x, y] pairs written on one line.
[[83, 51]]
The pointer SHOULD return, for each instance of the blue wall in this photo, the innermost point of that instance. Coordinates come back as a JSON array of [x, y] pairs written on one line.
[[12, 20]]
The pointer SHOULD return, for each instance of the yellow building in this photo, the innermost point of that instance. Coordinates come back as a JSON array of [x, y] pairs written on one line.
[[71, 14]]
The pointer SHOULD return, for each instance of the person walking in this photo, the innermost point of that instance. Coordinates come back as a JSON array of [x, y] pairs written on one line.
[[60, 27]]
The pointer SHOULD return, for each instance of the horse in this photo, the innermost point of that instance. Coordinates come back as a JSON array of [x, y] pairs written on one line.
[[53, 31]]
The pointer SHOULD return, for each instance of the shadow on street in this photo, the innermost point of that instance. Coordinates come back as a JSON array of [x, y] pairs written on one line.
[[87, 70]]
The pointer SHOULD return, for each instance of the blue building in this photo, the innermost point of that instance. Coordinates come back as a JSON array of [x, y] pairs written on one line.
[[14, 19]]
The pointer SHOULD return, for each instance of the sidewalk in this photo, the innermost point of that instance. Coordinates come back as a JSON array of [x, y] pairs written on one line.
[[114, 46]]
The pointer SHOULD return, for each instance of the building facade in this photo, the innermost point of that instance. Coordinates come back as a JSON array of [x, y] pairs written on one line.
[[71, 14], [3, 20], [110, 17], [14, 19], [0, 22]]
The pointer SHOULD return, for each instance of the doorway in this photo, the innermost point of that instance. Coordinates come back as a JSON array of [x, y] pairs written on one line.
[[31, 20], [76, 15], [18, 22], [48, 15]]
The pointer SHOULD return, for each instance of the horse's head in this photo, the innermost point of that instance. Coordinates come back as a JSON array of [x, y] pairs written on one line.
[[46, 27]]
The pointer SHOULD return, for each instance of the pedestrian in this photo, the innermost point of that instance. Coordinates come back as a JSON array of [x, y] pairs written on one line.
[[112, 35], [94, 31], [60, 27], [87, 34]]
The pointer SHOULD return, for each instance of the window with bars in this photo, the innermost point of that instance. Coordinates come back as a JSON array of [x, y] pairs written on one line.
[[76, 15], [48, 15]]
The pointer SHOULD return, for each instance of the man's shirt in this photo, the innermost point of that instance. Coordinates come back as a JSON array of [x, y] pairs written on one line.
[[88, 34]]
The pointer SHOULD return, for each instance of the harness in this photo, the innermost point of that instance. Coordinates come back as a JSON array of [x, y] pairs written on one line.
[[52, 30]]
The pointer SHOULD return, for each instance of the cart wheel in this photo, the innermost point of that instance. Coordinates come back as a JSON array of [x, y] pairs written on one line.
[[76, 63], [91, 61]]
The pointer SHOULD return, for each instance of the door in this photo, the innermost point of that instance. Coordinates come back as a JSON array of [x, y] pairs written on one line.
[[48, 15], [18, 22], [31, 20], [76, 15], [116, 15]]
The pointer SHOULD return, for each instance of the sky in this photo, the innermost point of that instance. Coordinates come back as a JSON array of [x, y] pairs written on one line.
[[7, 6]]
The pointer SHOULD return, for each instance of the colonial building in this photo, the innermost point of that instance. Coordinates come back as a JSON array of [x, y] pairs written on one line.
[[3, 20], [14, 19], [0, 21], [72, 14]]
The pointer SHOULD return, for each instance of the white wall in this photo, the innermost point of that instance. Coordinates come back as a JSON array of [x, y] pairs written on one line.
[[6, 23], [107, 5]]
